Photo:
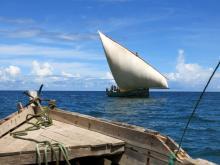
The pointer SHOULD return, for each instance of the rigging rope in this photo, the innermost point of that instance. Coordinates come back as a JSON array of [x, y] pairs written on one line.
[[195, 107], [172, 159], [43, 120]]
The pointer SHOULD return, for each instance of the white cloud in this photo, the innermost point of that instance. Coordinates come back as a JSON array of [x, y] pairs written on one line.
[[66, 74], [52, 52], [189, 74], [45, 73], [9, 73], [16, 20], [21, 33], [42, 34], [13, 70], [108, 76], [41, 70]]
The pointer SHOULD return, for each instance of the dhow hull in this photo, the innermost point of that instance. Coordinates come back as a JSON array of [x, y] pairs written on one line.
[[144, 93]]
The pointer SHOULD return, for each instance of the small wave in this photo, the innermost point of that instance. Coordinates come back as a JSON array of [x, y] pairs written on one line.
[[209, 151], [195, 118], [202, 129], [203, 119]]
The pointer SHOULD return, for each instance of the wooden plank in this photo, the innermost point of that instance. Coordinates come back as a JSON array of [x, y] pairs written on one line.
[[69, 135], [91, 139], [9, 144], [130, 135], [77, 135], [80, 142], [30, 157], [15, 120], [134, 156], [135, 136], [8, 117]]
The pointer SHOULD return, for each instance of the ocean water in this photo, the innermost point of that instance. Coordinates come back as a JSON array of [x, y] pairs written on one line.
[[166, 112]]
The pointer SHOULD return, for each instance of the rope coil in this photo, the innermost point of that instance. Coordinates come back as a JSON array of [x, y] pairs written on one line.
[[42, 120]]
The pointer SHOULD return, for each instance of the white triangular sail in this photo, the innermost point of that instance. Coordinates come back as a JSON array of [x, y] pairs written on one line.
[[130, 71]]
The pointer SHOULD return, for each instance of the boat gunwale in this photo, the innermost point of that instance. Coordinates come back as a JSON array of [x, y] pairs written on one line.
[[128, 145], [105, 149], [128, 127]]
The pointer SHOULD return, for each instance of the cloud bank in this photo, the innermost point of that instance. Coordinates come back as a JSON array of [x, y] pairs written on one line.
[[41, 70], [191, 76], [9, 73], [11, 78], [32, 54], [186, 77]]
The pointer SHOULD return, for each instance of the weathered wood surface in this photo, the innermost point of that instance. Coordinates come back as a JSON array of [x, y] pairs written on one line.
[[88, 136], [14, 120], [80, 142], [149, 146]]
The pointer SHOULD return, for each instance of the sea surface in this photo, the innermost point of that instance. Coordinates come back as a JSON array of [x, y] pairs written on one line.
[[166, 112]]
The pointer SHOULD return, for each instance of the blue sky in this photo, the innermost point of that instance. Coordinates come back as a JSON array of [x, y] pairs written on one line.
[[56, 42]]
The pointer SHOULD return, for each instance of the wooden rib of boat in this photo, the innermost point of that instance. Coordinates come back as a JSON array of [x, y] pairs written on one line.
[[89, 140]]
